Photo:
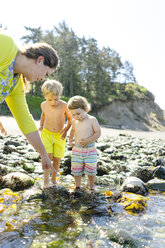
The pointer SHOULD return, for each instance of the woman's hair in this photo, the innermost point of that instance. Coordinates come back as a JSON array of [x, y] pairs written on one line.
[[52, 86], [76, 102], [35, 50]]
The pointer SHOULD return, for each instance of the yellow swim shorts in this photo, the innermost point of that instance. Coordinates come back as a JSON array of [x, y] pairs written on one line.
[[53, 143]]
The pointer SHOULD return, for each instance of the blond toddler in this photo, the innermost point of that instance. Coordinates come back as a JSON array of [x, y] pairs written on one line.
[[52, 125]]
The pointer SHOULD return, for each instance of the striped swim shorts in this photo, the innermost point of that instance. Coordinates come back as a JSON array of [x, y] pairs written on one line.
[[84, 159]]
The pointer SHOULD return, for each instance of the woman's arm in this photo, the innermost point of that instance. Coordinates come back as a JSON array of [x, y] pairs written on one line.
[[35, 140], [17, 104]]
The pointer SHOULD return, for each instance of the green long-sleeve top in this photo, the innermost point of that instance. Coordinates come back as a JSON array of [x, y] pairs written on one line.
[[12, 87]]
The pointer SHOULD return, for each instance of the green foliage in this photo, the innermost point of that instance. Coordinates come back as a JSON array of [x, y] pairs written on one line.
[[134, 91], [34, 104], [130, 91], [4, 109]]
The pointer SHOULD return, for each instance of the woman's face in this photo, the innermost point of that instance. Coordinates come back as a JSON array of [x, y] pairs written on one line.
[[37, 71]]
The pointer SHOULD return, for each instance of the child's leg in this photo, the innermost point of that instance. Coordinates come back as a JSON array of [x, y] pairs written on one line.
[[78, 181], [91, 181], [56, 165], [47, 174], [46, 178]]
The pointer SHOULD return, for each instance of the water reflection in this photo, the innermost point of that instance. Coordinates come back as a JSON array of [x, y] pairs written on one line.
[[84, 221]]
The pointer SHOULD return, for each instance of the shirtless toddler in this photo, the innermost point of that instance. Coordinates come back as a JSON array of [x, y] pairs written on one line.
[[85, 131], [52, 125]]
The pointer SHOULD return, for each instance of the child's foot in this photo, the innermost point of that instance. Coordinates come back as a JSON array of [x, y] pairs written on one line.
[[76, 193], [92, 190], [53, 181], [46, 185], [77, 189]]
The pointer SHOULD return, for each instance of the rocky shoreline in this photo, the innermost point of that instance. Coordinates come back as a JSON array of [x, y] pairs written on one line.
[[130, 170], [130, 163]]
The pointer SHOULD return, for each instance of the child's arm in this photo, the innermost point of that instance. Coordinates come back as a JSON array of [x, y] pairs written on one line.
[[96, 133], [42, 118], [2, 129], [42, 121], [69, 123], [71, 136]]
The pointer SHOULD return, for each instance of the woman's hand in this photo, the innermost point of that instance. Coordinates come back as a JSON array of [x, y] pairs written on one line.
[[46, 163], [35, 140]]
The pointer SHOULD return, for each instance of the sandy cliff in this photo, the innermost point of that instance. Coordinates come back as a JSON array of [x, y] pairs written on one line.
[[134, 114]]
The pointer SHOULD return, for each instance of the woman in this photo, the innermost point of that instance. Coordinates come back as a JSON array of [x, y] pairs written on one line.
[[32, 63]]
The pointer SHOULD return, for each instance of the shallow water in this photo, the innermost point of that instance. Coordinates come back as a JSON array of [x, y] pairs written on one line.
[[79, 222]]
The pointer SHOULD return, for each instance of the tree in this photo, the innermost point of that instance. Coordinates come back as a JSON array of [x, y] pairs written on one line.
[[128, 73], [67, 46], [36, 35], [84, 69]]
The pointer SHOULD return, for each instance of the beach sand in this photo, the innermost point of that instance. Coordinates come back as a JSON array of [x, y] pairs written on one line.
[[11, 127]]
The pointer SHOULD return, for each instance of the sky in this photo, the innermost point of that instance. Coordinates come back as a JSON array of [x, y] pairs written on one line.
[[134, 28]]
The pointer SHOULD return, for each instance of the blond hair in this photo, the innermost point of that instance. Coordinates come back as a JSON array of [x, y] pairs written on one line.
[[81, 102], [52, 86]]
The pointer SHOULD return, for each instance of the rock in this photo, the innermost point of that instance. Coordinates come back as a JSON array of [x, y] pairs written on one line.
[[118, 157], [159, 172], [35, 156], [17, 181], [134, 185], [101, 168], [29, 167], [11, 142], [122, 237], [9, 149], [4, 170], [56, 191], [156, 184], [66, 165], [143, 173], [109, 150], [33, 193], [102, 146], [106, 180], [159, 161]]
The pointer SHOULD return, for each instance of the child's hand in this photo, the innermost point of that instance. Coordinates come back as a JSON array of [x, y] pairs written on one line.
[[64, 133], [84, 142], [40, 128], [3, 131], [71, 143]]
